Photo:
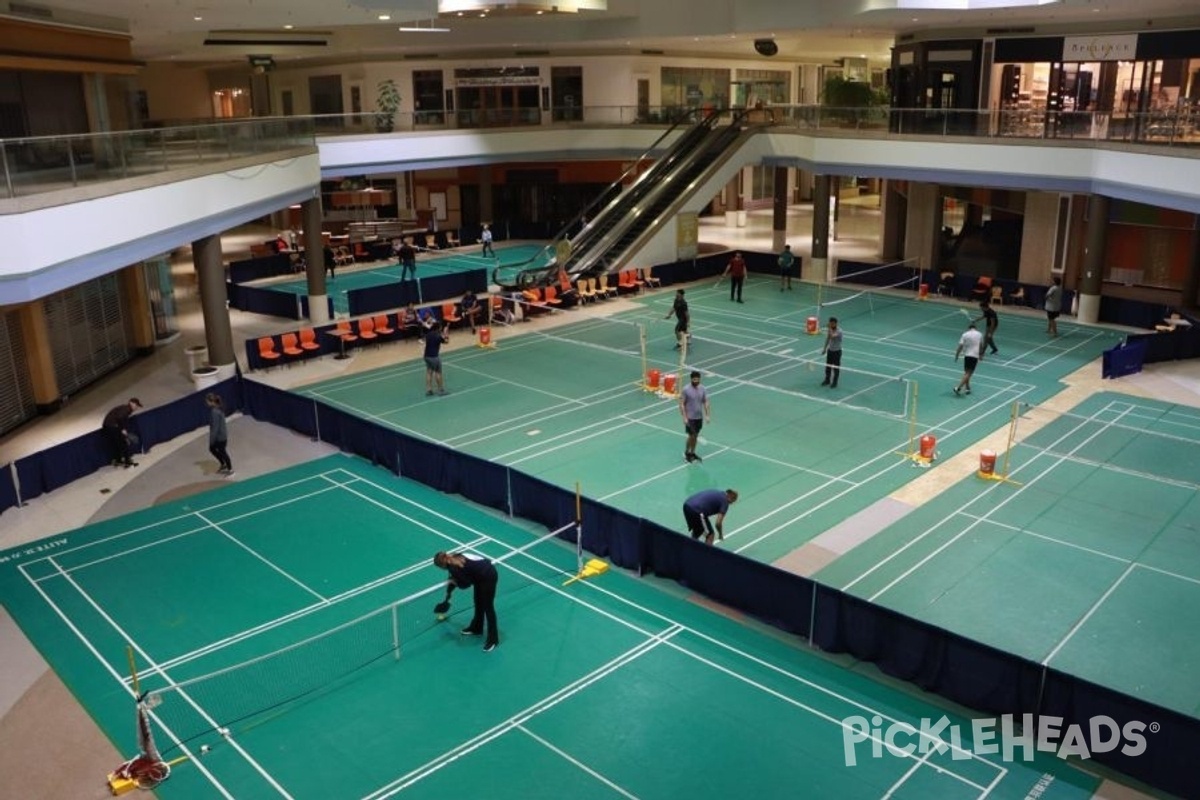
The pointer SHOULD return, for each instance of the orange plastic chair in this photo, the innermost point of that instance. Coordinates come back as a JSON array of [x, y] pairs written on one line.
[[290, 344], [450, 313], [308, 339], [344, 333], [366, 329], [552, 297], [381, 325], [267, 351]]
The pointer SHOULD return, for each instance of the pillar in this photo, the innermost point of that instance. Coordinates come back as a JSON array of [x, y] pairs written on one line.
[[132, 281], [894, 210], [817, 268], [1038, 236], [732, 199], [923, 226], [1191, 282], [314, 258], [36, 337], [1092, 275], [218, 335], [486, 201], [779, 210]]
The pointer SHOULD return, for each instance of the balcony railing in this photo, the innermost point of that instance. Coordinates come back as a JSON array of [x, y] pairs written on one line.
[[48, 163]]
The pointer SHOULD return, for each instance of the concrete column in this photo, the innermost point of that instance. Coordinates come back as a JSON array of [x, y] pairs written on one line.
[[1038, 235], [218, 335], [1092, 276], [486, 200], [132, 281], [817, 268], [923, 227], [314, 257], [894, 209], [1191, 283], [780, 209], [732, 200], [36, 335]]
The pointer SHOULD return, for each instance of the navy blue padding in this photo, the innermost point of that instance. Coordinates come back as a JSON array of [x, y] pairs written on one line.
[[278, 407], [1168, 761], [253, 269], [8, 489], [1124, 359], [261, 300], [612, 533], [540, 501]]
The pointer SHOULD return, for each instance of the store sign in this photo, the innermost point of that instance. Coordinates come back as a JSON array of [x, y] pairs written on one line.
[[1100, 48], [498, 80]]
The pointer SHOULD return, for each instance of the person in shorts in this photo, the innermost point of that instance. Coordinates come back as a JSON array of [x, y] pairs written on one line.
[[970, 347], [683, 319], [700, 509], [694, 406], [435, 337], [1053, 306], [787, 267]]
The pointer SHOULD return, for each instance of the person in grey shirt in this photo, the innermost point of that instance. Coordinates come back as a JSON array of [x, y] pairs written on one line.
[[1053, 306], [693, 405], [833, 354], [218, 433]]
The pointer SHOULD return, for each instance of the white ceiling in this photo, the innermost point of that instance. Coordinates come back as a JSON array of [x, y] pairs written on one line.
[[806, 30]]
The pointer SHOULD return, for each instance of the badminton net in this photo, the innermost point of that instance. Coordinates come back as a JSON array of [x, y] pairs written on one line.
[[220, 699], [1129, 441], [869, 290], [800, 377]]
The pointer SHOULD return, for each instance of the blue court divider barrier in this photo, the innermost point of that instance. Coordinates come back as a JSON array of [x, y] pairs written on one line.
[[1124, 359]]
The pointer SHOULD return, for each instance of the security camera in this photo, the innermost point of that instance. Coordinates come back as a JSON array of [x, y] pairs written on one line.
[[765, 47]]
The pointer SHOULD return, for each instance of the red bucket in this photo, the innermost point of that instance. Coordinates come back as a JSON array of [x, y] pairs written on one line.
[[652, 377], [812, 326], [485, 335], [669, 384], [928, 443], [987, 462]]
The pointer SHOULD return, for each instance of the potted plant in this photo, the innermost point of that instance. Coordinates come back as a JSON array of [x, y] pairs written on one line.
[[386, 105]]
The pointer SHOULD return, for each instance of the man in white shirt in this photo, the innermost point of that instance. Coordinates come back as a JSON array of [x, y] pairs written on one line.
[[970, 347]]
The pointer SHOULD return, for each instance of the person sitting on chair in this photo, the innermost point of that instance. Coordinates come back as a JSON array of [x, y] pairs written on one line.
[[469, 308]]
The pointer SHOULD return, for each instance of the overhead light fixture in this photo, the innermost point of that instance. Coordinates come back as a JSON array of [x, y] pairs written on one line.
[[430, 28], [521, 7]]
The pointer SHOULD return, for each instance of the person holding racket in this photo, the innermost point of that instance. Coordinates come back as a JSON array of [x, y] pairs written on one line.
[[991, 322], [695, 408], [475, 572], [736, 270]]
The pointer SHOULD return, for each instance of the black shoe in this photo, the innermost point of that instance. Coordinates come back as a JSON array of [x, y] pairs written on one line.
[[696, 458], [129, 463], [825, 382], [490, 646], [739, 299], [469, 631], [833, 385], [689, 457], [956, 391], [968, 390]]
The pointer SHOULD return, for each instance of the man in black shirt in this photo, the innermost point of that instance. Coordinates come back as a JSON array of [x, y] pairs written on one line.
[[435, 337], [116, 432], [478, 572], [991, 322], [679, 309]]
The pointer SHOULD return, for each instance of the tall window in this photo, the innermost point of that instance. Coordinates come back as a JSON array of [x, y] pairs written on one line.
[[429, 104]]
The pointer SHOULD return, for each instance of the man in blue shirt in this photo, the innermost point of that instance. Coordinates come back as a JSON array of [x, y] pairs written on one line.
[[435, 337], [699, 509], [467, 571], [694, 406]]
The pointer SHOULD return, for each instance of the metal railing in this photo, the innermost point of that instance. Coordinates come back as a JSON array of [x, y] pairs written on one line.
[[48, 163], [40, 164]]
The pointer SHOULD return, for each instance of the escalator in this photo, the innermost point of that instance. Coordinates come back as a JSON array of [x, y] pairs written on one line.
[[616, 207]]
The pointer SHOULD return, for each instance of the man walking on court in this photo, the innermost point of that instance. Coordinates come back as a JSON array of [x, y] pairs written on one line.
[[435, 337], [679, 310], [700, 509], [408, 261], [833, 354], [787, 263], [970, 347], [736, 270], [485, 238], [991, 322], [693, 405], [1053, 306], [472, 571]]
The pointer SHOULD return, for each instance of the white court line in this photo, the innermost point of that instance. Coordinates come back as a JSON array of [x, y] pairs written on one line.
[[66, 620], [1082, 620], [271, 565], [563, 754], [134, 644], [1015, 494]]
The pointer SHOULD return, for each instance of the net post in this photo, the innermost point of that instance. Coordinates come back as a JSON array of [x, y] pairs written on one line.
[[578, 527], [912, 423], [644, 376], [133, 673], [1012, 437], [396, 630]]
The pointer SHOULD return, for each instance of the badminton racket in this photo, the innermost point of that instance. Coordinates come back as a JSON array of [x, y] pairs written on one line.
[[965, 313]]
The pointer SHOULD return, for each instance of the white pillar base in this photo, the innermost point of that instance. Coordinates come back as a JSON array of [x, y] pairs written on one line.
[[1089, 308], [318, 309], [814, 269]]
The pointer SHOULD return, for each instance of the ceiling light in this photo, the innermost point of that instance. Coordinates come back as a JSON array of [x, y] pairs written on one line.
[[288, 27], [197, 19], [430, 28], [384, 17], [521, 7]]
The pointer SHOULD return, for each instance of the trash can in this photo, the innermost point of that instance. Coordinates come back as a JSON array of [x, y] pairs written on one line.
[[197, 356], [205, 376]]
